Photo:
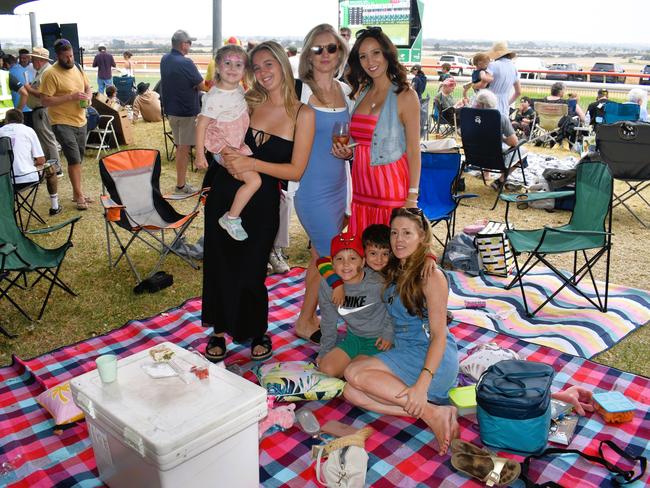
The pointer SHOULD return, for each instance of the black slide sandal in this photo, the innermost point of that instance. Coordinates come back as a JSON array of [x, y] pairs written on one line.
[[264, 341], [215, 342]]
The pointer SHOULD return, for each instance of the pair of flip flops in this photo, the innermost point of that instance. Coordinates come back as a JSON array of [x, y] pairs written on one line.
[[218, 343], [481, 464]]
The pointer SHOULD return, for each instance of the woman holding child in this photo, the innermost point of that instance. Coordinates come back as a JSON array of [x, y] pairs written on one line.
[[386, 169], [321, 198], [235, 298], [423, 365]]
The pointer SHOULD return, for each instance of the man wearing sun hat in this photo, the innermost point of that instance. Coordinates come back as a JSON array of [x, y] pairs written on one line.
[[104, 62], [506, 77], [147, 104], [445, 99], [40, 119]]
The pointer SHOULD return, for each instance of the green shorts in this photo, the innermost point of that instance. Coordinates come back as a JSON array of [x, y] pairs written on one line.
[[354, 345]]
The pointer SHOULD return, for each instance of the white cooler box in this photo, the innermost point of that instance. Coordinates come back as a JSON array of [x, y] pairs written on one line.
[[163, 432]]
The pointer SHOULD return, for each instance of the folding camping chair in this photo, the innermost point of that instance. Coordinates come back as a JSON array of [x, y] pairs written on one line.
[[104, 130], [438, 197], [588, 230], [133, 202], [480, 132], [126, 91], [441, 121], [424, 117], [625, 147], [617, 112], [19, 255], [546, 127], [25, 200], [168, 136]]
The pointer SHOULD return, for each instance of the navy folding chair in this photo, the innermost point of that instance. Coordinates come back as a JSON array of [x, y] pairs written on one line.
[[619, 112], [480, 131], [125, 86], [438, 198]]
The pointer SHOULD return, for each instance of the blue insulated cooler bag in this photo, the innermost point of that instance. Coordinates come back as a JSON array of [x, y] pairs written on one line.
[[514, 405]]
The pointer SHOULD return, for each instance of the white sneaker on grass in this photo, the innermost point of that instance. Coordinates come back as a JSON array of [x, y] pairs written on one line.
[[233, 227], [186, 189]]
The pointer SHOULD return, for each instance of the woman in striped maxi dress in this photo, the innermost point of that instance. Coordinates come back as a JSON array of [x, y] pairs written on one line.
[[386, 127]]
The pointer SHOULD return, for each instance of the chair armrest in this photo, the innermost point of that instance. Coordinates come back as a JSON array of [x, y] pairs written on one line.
[[578, 232], [108, 202], [514, 148], [463, 196], [6, 249], [52, 228], [533, 197], [174, 197]]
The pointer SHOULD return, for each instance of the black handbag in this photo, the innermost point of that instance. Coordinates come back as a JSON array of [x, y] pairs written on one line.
[[621, 476], [154, 283]]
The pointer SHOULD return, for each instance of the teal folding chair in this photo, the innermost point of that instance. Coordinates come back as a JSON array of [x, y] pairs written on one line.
[[588, 230], [19, 255]]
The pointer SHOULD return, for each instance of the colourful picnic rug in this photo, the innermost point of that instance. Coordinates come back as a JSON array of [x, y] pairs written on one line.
[[401, 450], [568, 323]]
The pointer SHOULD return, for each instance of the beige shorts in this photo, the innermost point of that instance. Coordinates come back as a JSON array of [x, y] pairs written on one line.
[[183, 130]]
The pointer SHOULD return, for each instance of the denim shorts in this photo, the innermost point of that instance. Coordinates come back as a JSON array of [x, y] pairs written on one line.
[[406, 360]]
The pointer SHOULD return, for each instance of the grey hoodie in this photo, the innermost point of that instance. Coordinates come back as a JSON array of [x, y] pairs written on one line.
[[363, 311]]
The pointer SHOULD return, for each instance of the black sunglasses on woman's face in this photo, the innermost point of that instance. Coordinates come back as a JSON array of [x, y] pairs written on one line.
[[330, 48], [369, 30]]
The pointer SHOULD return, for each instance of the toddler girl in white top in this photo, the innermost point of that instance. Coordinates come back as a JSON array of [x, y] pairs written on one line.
[[222, 123]]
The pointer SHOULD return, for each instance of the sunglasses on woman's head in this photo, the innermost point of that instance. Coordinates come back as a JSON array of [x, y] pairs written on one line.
[[368, 30], [417, 212], [330, 48]]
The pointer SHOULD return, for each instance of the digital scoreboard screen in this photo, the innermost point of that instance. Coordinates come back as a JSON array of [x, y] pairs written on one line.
[[393, 16]]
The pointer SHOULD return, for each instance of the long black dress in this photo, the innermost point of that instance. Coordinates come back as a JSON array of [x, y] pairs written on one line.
[[235, 299]]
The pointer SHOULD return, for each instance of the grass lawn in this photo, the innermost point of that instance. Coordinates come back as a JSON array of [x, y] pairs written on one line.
[[106, 299]]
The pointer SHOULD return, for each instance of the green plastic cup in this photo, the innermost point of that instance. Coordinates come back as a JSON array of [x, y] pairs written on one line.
[[107, 367]]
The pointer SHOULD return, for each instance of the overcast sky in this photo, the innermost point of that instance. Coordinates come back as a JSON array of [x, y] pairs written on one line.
[[593, 21]]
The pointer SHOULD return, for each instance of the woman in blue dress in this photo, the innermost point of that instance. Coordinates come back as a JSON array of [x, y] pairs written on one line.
[[321, 198], [423, 365]]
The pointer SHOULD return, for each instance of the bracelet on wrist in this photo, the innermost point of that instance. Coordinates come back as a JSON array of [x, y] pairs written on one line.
[[414, 190], [428, 371]]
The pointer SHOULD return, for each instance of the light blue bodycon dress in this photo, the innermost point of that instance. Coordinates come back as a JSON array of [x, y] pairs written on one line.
[[407, 356], [321, 198]]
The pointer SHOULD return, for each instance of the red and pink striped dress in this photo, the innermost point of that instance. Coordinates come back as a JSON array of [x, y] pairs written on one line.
[[376, 190]]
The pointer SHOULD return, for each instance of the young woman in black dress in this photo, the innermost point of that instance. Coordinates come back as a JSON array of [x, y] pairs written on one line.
[[235, 299]]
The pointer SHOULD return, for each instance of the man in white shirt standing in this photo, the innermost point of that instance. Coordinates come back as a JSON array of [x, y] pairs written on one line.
[[28, 157]]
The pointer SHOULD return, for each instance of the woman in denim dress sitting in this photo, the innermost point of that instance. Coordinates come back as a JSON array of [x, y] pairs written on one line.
[[414, 378]]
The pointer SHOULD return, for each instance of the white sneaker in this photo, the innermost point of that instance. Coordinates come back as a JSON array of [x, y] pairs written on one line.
[[277, 262], [187, 189], [233, 227]]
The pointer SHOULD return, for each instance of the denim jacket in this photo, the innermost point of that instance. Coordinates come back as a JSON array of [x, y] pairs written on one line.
[[389, 138]]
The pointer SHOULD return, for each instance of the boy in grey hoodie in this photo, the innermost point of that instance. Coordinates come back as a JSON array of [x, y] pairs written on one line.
[[369, 326]]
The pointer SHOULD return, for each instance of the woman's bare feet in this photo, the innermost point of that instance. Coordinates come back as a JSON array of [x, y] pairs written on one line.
[[442, 421], [306, 328]]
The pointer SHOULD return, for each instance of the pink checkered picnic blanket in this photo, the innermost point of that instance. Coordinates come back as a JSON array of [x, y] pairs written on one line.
[[401, 450]]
